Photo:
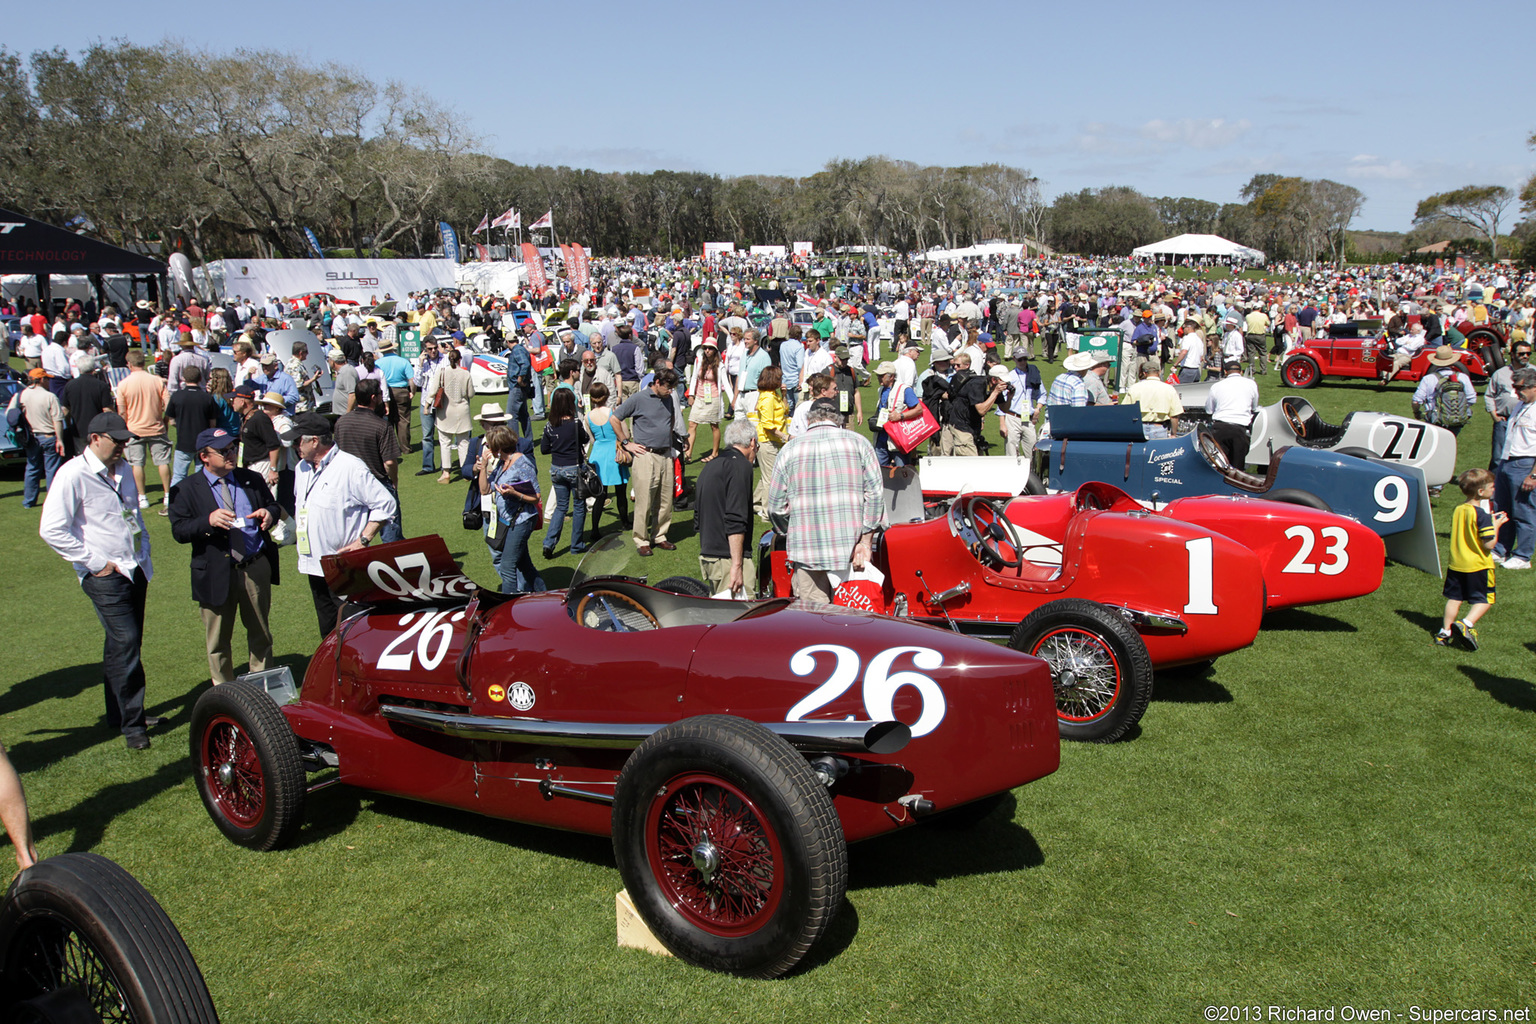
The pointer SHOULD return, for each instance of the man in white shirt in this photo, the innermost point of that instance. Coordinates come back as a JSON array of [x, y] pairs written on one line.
[[1017, 417], [1191, 354], [906, 365], [339, 506], [1232, 402], [91, 518]]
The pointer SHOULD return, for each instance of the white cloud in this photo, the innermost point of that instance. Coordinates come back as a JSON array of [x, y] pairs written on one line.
[[1195, 133], [1366, 166]]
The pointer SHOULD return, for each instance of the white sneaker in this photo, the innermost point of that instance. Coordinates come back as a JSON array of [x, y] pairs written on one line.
[[143, 501], [1516, 563], [1497, 559]]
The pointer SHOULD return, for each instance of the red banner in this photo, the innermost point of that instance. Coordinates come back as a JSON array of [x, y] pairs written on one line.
[[535, 264], [482, 252], [1439, 264], [565, 254], [578, 269], [1461, 263]]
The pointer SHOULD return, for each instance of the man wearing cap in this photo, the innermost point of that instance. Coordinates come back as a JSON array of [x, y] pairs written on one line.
[[339, 505], [224, 512], [187, 356], [344, 378], [1233, 402], [1255, 334], [363, 432], [45, 423], [1440, 375], [92, 520], [1017, 408], [279, 380], [520, 382]]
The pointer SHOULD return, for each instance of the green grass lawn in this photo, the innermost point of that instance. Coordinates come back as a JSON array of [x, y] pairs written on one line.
[[1339, 814]]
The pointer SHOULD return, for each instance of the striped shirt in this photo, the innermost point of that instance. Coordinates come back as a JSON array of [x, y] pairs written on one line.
[[1067, 389], [828, 481]]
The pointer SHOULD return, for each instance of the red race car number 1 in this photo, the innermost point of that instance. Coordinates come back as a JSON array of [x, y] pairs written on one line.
[[880, 683]]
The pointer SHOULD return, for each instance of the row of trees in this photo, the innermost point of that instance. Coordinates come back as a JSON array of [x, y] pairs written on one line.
[[237, 154]]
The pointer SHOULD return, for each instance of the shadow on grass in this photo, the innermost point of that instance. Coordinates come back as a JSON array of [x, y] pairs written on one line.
[[1190, 684], [1428, 623], [61, 682], [1300, 620], [89, 819], [1519, 694], [838, 937], [927, 854]]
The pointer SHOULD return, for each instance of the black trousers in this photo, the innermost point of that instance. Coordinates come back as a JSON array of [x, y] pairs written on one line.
[[327, 604], [1233, 440]]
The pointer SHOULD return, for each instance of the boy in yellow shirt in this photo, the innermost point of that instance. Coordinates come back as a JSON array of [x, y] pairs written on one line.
[[1470, 576]]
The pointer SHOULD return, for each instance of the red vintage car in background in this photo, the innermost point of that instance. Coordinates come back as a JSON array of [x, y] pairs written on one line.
[[731, 748], [1362, 349]]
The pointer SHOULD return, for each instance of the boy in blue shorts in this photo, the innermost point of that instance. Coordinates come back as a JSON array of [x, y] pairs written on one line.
[[1470, 577]]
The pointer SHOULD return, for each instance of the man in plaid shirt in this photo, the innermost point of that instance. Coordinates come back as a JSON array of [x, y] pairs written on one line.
[[827, 482]]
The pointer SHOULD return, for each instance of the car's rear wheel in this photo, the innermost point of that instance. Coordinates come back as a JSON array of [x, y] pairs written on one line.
[[81, 940], [246, 763], [1297, 496], [1357, 452], [1301, 372], [1099, 666], [729, 845]]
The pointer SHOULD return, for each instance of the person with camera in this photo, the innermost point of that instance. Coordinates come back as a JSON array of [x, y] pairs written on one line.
[[971, 397]]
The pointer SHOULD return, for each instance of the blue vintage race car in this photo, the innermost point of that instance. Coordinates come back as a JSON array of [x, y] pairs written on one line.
[[1107, 444]]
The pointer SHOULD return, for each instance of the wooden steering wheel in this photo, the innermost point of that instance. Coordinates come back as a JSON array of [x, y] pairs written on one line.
[[613, 612], [994, 532]]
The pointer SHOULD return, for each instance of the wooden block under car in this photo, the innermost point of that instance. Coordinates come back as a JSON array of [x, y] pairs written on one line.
[[633, 933]]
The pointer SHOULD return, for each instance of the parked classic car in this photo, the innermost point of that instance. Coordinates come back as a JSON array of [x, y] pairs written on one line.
[[731, 748], [1294, 421], [1107, 444], [1361, 349]]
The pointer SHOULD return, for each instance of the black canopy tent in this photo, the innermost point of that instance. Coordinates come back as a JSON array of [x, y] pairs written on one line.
[[37, 250]]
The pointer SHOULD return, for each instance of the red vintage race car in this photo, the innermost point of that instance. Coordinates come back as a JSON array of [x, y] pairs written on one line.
[[1361, 349], [730, 748], [1105, 589]]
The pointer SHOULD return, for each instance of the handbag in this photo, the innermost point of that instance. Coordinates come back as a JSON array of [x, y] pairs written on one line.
[[589, 483], [495, 532], [620, 454], [908, 434], [474, 519]]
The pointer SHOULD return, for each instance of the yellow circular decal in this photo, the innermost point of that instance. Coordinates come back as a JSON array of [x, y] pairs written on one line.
[[497, 693]]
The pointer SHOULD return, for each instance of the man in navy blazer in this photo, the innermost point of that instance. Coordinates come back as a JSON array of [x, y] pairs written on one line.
[[224, 512]]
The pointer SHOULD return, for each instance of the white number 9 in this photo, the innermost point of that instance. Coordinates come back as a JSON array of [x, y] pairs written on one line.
[[1394, 506]]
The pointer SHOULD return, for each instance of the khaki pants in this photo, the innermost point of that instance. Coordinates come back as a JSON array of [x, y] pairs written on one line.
[[651, 478], [954, 441], [767, 455], [1018, 436], [250, 591], [811, 585], [716, 573]]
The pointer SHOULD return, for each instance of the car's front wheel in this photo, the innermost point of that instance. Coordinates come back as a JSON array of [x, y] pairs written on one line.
[[246, 762], [1099, 665], [1301, 372], [729, 845]]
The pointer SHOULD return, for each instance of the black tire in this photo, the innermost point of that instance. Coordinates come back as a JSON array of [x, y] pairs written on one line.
[[1357, 452], [80, 939], [685, 585], [1034, 485], [246, 762], [1108, 689], [1297, 496], [1301, 372], [729, 774]]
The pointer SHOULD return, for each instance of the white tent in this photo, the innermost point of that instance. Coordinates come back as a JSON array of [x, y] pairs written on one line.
[[1179, 246], [489, 278], [971, 251]]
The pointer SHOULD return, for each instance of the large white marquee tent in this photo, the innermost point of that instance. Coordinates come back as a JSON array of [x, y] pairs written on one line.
[[1192, 246]]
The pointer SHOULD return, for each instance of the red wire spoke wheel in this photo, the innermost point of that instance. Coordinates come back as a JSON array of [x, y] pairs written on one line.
[[247, 766], [1099, 665]]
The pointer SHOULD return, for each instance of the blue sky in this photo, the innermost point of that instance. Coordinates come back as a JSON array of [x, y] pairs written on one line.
[[1400, 99]]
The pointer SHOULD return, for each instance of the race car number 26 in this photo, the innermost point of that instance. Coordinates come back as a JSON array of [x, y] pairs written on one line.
[[880, 683]]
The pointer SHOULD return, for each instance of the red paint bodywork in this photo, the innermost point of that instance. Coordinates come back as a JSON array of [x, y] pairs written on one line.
[[1368, 356], [1119, 554], [998, 730]]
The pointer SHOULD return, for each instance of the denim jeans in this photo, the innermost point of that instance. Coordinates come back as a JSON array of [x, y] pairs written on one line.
[[565, 479], [517, 410], [514, 564], [1500, 428], [392, 531], [428, 435], [42, 463], [538, 396], [1517, 538], [181, 465], [119, 605]]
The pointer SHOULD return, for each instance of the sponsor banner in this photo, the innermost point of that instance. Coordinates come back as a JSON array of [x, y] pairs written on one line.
[[535, 264], [565, 256], [506, 220], [181, 276], [1439, 264], [450, 241], [485, 222], [1461, 263], [546, 221], [774, 252], [577, 268], [714, 249], [358, 280], [802, 248], [482, 253], [314, 244]]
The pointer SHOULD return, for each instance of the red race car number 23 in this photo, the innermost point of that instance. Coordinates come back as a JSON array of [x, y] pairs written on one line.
[[880, 683]]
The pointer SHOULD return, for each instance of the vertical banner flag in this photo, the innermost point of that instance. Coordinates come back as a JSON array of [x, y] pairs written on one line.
[[565, 254], [535, 264], [546, 221], [1439, 264], [450, 241], [506, 220], [485, 222], [314, 244], [482, 253], [1461, 263], [578, 268]]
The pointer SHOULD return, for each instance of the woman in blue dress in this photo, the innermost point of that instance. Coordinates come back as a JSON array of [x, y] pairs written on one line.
[[512, 480], [606, 433]]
